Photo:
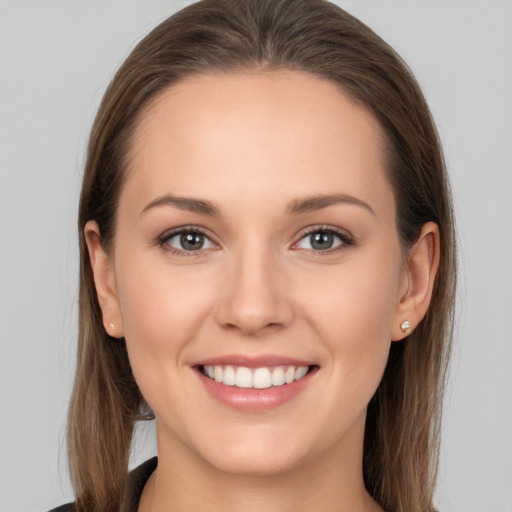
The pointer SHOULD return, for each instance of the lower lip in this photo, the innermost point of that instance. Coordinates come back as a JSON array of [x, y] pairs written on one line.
[[256, 400]]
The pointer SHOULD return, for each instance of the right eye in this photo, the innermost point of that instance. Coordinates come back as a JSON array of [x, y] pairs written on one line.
[[186, 241]]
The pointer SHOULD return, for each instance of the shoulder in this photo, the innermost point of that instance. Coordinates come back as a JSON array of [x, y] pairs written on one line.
[[136, 481], [68, 507]]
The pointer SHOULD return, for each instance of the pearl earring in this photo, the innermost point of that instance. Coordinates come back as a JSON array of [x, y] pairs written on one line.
[[112, 326], [405, 326]]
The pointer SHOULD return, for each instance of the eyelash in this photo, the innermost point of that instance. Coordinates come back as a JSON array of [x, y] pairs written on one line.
[[345, 239], [162, 240]]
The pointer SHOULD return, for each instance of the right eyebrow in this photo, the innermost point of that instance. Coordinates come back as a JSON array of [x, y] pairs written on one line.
[[183, 203]]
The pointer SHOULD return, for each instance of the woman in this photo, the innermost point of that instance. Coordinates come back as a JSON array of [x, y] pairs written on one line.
[[267, 266]]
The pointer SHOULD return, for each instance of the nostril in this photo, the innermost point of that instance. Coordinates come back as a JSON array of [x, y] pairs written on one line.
[[252, 301], [252, 325]]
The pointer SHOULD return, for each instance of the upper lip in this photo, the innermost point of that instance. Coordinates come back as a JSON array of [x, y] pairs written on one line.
[[253, 361]]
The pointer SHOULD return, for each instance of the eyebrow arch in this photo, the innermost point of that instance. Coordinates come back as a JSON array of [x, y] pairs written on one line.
[[297, 206], [313, 203], [183, 203]]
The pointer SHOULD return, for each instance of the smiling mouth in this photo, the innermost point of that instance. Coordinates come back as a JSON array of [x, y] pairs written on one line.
[[255, 378]]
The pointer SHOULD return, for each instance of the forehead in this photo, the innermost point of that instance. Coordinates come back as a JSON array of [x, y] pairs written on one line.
[[256, 133]]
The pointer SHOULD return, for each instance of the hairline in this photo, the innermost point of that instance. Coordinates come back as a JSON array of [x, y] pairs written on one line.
[[136, 125]]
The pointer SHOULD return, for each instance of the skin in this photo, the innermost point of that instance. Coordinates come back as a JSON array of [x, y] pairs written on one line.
[[253, 144]]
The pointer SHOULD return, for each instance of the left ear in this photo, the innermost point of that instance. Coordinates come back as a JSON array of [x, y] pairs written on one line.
[[421, 270]]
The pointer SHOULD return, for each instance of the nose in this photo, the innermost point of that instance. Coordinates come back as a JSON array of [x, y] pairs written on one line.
[[255, 298]]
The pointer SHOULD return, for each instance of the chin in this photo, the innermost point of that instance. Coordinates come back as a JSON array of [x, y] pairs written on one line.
[[255, 463], [258, 452]]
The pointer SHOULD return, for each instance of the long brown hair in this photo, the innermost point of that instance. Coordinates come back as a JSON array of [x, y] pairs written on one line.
[[402, 431]]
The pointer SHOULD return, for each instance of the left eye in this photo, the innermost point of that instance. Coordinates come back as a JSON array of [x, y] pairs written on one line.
[[322, 240], [188, 241]]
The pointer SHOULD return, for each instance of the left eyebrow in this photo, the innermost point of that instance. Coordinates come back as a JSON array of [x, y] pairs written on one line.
[[313, 203]]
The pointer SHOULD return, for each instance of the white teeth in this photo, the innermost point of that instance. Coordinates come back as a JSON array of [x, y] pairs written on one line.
[[278, 376], [262, 378], [243, 377], [300, 372], [229, 377], [258, 378]]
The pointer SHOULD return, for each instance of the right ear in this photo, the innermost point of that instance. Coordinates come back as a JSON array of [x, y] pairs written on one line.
[[104, 279]]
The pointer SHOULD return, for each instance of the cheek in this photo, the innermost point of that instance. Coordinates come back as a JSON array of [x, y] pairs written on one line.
[[357, 300], [162, 308], [352, 309], [162, 311]]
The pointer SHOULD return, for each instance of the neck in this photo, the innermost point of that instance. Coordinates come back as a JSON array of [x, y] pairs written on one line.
[[183, 482]]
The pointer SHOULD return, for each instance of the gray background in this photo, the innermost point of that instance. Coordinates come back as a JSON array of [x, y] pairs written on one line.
[[56, 58]]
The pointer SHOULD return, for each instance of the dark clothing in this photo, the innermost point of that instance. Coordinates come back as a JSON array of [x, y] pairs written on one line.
[[131, 498]]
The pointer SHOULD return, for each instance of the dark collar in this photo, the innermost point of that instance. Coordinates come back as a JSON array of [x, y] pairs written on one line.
[[133, 491], [136, 482]]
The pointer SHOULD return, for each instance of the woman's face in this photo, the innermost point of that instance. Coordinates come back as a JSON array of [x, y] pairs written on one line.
[[256, 233]]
